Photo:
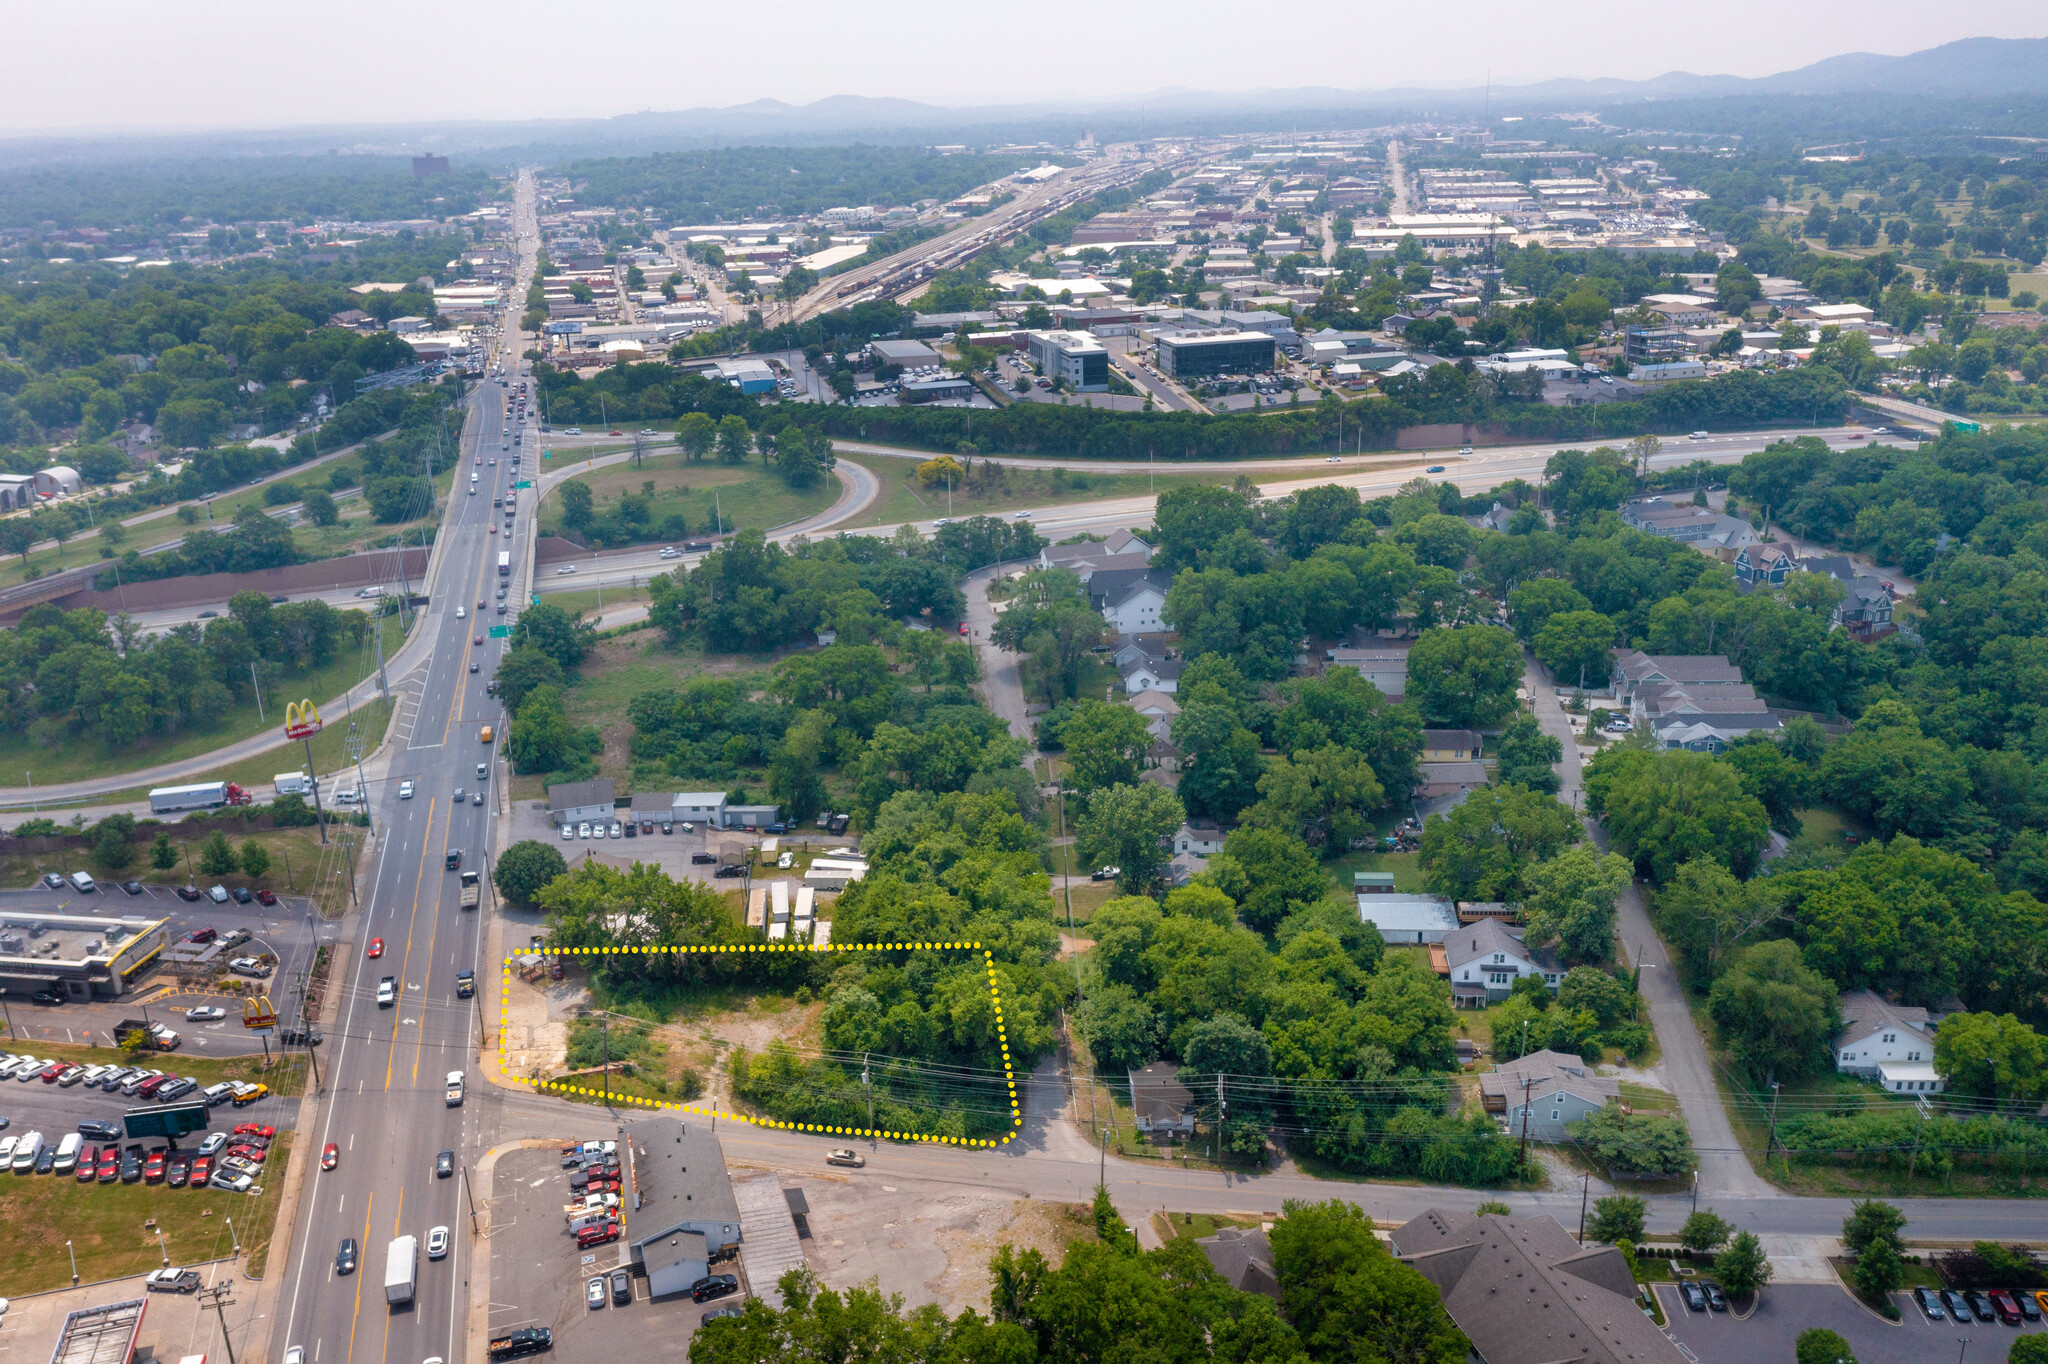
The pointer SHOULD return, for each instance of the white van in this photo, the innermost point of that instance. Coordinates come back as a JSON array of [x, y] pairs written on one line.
[[67, 1153], [82, 883], [27, 1151]]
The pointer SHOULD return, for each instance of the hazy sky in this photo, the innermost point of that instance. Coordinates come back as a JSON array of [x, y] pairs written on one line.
[[262, 64]]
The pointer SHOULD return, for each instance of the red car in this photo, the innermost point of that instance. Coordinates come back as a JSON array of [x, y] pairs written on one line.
[[253, 1154], [148, 1088], [376, 947], [266, 897], [963, 627], [331, 1157], [88, 1164], [153, 1166], [202, 935], [254, 1129], [202, 1170], [478, 640], [110, 1164], [597, 1236], [53, 1070]]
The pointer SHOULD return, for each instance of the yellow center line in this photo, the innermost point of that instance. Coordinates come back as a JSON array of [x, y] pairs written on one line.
[[398, 1001], [357, 1315], [433, 932]]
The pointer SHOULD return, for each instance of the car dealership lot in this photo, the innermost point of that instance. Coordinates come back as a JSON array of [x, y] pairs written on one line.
[[1787, 1309]]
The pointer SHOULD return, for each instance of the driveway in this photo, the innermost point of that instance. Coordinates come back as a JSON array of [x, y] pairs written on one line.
[[1724, 1171]]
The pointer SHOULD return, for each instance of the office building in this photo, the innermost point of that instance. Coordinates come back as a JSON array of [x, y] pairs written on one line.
[[1077, 357], [1196, 355]]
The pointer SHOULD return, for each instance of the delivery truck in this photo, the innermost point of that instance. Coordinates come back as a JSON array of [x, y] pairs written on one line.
[[401, 1265], [471, 889], [292, 784]]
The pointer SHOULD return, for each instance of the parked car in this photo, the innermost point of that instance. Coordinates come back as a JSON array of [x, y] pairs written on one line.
[[1980, 1307], [1957, 1308], [598, 1235], [202, 1172], [2001, 1302], [267, 896], [99, 1131], [179, 1171], [132, 887], [1716, 1299], [713, 1286], [205, 1013], [724, 1309], [188, 892], [701, 858], [88, 1164], [622, 1287], [594, 1293]]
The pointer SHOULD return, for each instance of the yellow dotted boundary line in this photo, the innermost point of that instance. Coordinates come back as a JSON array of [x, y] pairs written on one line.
[[995, 1000]]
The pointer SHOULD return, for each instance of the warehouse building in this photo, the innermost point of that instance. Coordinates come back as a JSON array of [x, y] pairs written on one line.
[[1077, 357], [909, 354], [1196, 355], [681, 1201]]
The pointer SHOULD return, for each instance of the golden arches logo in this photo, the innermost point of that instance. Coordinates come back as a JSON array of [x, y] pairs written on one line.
[[301, 718]]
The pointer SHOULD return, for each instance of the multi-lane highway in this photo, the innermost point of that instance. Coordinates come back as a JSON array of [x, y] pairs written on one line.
[[384, 1106]]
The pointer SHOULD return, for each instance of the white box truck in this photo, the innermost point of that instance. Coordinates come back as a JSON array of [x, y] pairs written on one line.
[[292, 784], [401, 1265]]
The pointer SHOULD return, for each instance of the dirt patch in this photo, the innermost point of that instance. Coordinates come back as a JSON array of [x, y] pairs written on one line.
[[536, 1037]]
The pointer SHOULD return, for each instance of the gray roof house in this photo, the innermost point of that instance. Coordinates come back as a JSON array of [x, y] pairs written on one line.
[[1571, 1302], [1554, 1089], [680, 1199], [1687, 524], [1244, 1257], [1084, 559], [572, 802], [1162, 676], [1130, 599], [1135, 648], [1876, 1032], [1162, 1105], [1386, 669], [1634, 669], [1486, 958]]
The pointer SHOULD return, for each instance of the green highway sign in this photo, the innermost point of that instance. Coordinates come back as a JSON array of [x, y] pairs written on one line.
[[522, 483], [546, 453], [500, 631], [536, 599]]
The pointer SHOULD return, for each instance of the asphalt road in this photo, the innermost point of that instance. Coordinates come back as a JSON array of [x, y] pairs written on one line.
[[385, 1109]]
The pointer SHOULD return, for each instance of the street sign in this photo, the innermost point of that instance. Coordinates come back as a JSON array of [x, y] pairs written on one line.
[[301, 720], [523, 483], [500, 631], [546, 453], [165, 1120], [536, 599]]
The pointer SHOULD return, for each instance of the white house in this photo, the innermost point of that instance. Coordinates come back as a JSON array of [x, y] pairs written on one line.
[[699, 807], [1146, 675], [1198, 839], [1876, 1034], [1130, 599], [1161, 1105], [1487, 958]]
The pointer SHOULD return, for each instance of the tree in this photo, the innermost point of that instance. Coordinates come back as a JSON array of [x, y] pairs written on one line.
[[695, 433], [217, 855], [319, 507], [163, 856], [1642, 1143], [1992, 1056], [110, 841], [1577, 647], [1122, 1030], [1571, 901], [1743, 1268], [1873, 1222], [1191, 521], [255, 860], [1484, 846], [1818, 1345], [1706, 914], [1104, 744], [1270, 873], [1128, 827], [521, 671], [1704, 1232], [1618, 1219], [540, 738], [1525, 756], [1533, 603], [735, 441], [1464, 677], [1327, 792], [1777, 1016], [1664, 807], [1349, 1298], [525, 869], [578, 505], [2031, 1349]]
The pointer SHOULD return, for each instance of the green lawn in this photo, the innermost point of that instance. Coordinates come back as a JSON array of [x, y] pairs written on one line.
[[903, 498], [1406, 866], [83, 756], [749, 496]]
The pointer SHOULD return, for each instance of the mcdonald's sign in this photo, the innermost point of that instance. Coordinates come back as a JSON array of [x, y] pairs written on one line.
[[301, 720]]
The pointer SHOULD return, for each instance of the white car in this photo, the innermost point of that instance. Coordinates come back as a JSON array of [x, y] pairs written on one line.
[[437, 1243], [454, 1089], [582, 830], [617, 831], [232, 1181], [405, 789], [214, 1141], [670, 553], [461, 612], [205, 1013], [568, 832], [387, 990], [597, 830], [563, 572]]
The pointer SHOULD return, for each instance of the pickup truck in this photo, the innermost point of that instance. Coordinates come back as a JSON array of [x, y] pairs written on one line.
[[471, 889], [590, 1203], [465, 984], [160, 1037]]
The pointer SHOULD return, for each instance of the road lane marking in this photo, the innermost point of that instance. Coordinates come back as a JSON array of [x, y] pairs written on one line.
[[356, 1315], [391, 1060]]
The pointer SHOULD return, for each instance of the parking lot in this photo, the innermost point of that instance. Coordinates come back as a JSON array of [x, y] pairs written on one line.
[[670, 852], [1784, 1311], [288, 930], [538, 1274]]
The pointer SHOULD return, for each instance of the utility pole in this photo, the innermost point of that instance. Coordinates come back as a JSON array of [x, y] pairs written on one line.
[[1522, 1152], [1771, 1140], [258, 686], [217, 1297], [1582, 1207], [606, 1024], [867, 1083], [471, 1191]]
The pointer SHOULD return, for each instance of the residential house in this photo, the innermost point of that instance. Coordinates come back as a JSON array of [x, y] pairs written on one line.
[[1701, 527], [1570, 1302], [1132, 648], [1866, 606], [1877, 1034], [574, 802], [1244, 1258], [1162, 1105], [1088, 557], [1404, 918], [1183, 868], [1198, 838], [680, 1202], [1762, 564], [1634, 670], [1386, 669], [1496, 518], [1446, 779], [1158, 708], [1162, 677], [1130, 599], [1544, 1093], [1487, 958], [1701, 717], [1450, 746]]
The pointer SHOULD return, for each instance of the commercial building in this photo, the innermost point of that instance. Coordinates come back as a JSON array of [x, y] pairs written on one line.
[[1403, 918], [77, 957], [748, 376], [1195, 355], [575, 801], [1524, 1292], [951, 389], [909, 354], [681, 1202], [1655, 345], [1077, 357]]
